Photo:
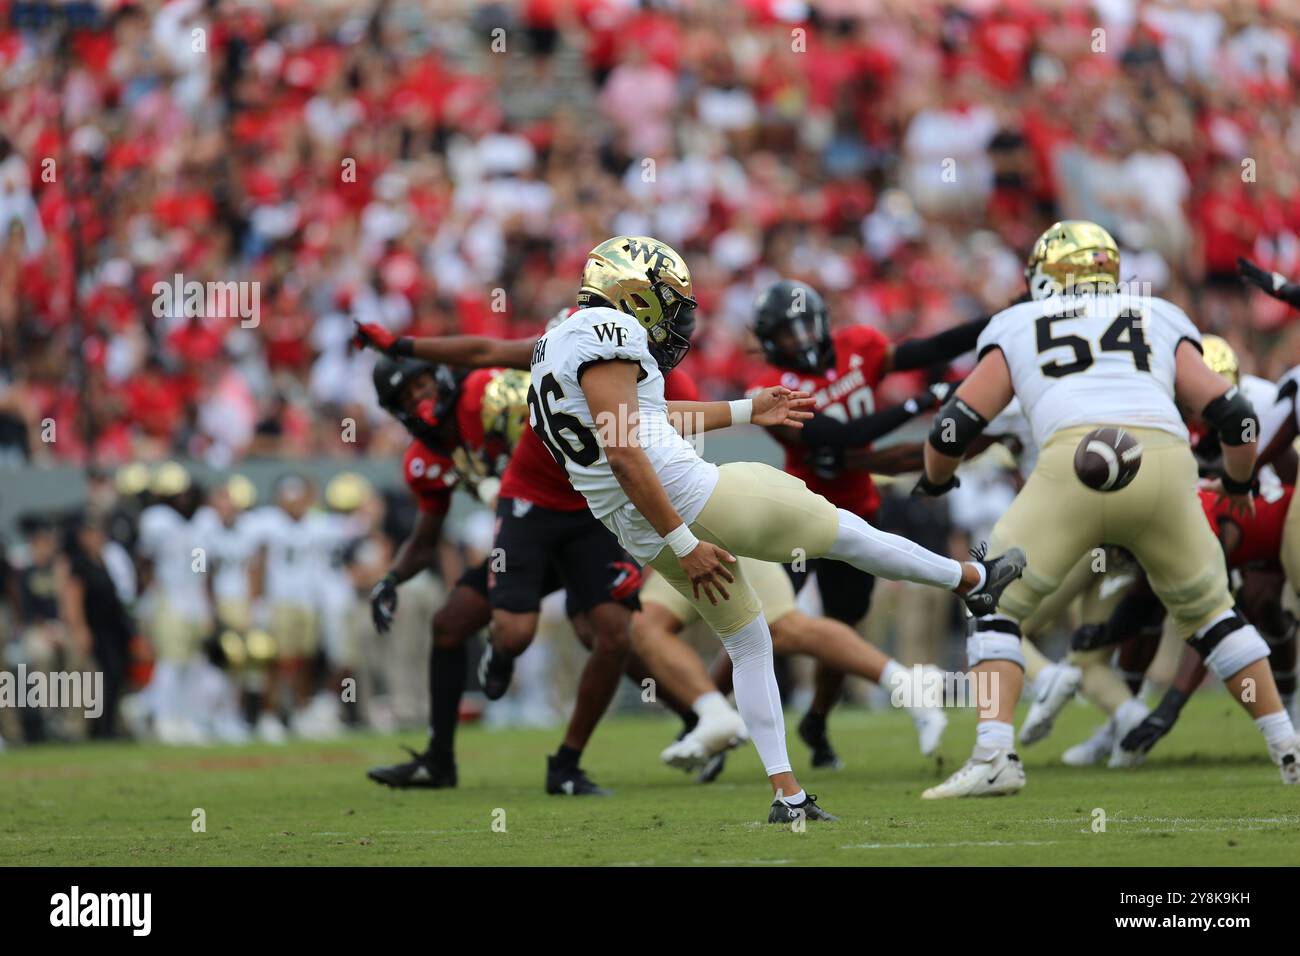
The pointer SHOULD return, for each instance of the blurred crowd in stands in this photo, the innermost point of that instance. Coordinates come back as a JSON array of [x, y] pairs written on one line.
[[440, 166]]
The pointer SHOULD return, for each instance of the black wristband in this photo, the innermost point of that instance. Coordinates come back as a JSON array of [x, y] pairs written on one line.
[[1234, 487], [405, 346]]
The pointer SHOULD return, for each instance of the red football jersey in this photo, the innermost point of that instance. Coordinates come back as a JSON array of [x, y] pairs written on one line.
[[534, 475], [844, 392], [431, 476], [1261, 533]]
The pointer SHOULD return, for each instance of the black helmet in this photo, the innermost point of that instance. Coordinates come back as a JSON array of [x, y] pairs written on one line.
[[391, 376], [797, 313]]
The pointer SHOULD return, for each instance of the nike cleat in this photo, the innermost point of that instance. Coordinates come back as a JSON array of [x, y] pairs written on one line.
[[999, 572], [494, 672], [422, 770], [570, 781], [1056, 686], [1001, 774], [782, 812], [1094, 750]]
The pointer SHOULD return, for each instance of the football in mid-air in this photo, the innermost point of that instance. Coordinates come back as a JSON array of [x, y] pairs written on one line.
[[1107, 459]]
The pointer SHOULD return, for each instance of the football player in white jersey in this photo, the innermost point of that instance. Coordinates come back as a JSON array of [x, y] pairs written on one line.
[[172, 570], [1079, 355], [597, 402]]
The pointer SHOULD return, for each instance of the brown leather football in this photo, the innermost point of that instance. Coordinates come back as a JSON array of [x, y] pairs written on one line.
[[1107, 458]]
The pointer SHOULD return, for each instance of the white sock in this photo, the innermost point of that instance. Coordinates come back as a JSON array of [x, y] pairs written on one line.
[[992, 736], [795, 799], [893, 674], [1276, 728], [168, 696], [984, 576], [757, 697], [890, 556], [1131, 712], [710, 702]]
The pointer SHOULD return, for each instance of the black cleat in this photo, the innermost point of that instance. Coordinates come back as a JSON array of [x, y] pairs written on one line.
[[812, 731], [998, 573], [570, 781], [494, 672], [422, 770], [712, 768], [808, 810]]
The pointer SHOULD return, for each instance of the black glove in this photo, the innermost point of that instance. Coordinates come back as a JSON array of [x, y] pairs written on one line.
[[934, 396], [383, 602], [1274, 283], [1158, 723], [925, 488], [826, 460], [1089, 637]]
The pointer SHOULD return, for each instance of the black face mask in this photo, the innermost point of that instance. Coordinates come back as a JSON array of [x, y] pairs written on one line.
[[678, 329], [812, 349], [669, 353]]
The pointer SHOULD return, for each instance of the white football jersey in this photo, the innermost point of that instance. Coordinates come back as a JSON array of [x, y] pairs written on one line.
[[293, 559], [169, 540], [559, 415], [1093, 360], [1012, 421], [231, 549]]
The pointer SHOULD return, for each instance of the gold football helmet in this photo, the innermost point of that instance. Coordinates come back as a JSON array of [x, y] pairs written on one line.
[[646, 279], [1220, 357], [1071, 253], [346, 492], [505, 405]]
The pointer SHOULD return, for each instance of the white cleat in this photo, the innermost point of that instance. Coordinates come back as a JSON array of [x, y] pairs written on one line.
[[719, 730], [1093, 750], [1055, 686], [1287, 760], [930, 724], [270, 730], [1001, 774], [181, 732], [1119, 757]]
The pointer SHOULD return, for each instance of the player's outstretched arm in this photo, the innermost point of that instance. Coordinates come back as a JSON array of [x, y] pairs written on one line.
[[959, 422], [417, 552], [1222, 406], [1274, 283], [462, 351], [826, 431], [936, 349], [610, 390], [776, 406]]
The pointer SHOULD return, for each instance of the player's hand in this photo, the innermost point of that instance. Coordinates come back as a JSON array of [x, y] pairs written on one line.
[[925, 488], [1241, 505], [1157, 723], [931, 398], [383, 603], [1274, 283], [706, 566], [778, 405], [372, 335]]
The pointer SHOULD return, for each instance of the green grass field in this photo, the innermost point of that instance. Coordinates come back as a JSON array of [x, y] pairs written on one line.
[[1208, 797]]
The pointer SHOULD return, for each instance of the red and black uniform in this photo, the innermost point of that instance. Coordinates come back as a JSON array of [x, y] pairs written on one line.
[[1261, 533], [844, 392]]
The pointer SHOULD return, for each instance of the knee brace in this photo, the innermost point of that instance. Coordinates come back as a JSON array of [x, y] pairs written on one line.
[[1228, 645], [994, 639]]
